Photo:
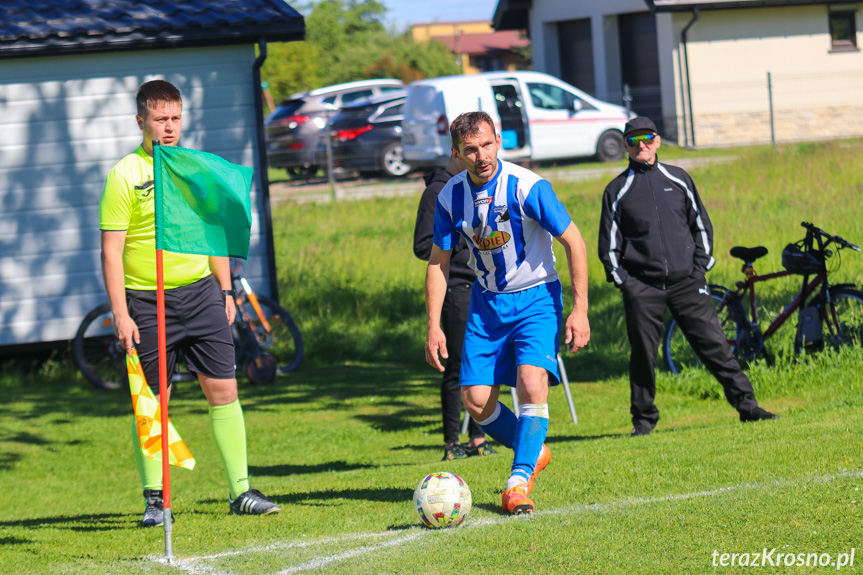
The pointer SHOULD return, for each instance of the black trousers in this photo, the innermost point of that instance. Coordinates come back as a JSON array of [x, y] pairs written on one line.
[[691, 305], [453, 323]]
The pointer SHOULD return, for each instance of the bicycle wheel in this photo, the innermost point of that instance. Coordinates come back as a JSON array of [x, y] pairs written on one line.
[[844, 323], [283, 343], [677, 354], [97, 354]]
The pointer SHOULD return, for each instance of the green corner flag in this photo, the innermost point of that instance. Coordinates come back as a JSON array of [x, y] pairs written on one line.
[[202, 203]]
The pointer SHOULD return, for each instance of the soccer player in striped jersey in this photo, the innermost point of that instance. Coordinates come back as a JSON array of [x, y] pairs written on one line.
[[508, 215]]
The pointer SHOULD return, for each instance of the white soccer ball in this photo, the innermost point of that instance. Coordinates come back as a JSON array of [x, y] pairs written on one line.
[[442, 499]]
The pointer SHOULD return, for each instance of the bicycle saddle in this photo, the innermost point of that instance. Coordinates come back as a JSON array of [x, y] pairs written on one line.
[[748, 254]]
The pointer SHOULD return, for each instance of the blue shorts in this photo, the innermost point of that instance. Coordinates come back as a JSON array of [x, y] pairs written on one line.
[[505, 330]]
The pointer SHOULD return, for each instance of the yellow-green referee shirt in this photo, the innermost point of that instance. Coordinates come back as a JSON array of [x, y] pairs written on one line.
[[127, 204]]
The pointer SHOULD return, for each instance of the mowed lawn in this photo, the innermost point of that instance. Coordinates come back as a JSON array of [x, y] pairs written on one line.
[[342, 443]]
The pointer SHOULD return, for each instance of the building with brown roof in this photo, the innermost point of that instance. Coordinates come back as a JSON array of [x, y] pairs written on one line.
[[476, 45]]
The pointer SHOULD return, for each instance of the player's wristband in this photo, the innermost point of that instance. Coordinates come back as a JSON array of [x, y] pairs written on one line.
[[229, 292]]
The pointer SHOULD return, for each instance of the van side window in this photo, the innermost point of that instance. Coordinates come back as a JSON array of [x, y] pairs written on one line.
[[329, 100], [549, 97]]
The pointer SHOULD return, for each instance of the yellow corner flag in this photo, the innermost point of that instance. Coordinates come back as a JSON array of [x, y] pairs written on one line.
[[148, 418]]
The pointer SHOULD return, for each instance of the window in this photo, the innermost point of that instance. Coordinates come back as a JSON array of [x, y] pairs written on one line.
[[488, 63], [843, 31], [393, 112], [286, 110], [422, 102], [354, 96], [550, 97]]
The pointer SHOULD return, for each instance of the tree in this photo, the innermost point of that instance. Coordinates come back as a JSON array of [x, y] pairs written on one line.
[[287, 68], [431, 59], [348, 35], [346, 40]]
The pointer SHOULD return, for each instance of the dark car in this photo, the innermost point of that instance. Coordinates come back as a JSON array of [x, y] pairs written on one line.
[[293, 130], [366, 136]]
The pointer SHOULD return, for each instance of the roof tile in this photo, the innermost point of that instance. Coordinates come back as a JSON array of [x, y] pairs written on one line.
[[50, 26]]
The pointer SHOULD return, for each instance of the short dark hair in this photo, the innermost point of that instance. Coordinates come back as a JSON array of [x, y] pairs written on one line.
[[154, 92], [467, 124]]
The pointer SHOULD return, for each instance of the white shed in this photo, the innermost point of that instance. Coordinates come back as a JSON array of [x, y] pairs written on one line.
[[69, 70]]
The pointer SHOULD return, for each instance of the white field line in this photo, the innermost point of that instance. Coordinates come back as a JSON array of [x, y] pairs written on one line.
[[190, 565], [321, 561]]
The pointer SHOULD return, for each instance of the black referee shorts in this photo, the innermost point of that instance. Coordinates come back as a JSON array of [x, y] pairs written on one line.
[[195, 323]]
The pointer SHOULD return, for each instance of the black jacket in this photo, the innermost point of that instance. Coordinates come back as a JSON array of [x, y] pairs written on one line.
[[459, 271], [654, 226]]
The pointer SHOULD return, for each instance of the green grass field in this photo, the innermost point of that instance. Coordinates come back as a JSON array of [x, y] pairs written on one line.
[[342, 443]]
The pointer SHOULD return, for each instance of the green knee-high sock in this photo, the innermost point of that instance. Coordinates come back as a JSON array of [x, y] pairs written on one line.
[[229, 431], [150, 470]]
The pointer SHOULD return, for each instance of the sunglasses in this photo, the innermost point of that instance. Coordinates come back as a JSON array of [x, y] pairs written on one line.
[[635, 140]]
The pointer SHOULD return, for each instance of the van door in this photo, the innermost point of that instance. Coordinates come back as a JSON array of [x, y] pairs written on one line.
[[562, 125], [513, 121], [423, 126]]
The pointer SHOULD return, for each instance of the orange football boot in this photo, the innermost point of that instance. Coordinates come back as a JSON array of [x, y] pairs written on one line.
[[516, 502], [541, 463]]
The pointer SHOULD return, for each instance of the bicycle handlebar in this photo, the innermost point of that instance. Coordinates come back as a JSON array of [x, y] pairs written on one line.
[[835, 239]]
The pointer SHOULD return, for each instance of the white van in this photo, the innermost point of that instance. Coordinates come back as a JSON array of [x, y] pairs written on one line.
[[539, 117]]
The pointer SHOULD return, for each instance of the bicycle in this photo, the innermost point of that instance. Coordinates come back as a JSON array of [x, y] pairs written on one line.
[[838, 308], [266, 339]]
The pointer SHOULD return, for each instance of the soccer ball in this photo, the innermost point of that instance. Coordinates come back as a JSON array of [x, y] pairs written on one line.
[[442, 499]]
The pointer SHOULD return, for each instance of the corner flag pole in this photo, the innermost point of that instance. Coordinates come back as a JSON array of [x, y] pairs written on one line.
[[163, 402]]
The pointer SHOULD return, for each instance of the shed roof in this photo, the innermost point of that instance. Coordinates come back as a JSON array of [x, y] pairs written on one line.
[[46, 27]]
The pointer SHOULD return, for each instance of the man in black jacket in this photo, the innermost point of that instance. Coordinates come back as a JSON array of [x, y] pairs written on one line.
[[453, 316], [656, 243]]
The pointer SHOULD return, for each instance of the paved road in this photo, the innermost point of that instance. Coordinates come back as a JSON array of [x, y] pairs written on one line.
[[356, 189]]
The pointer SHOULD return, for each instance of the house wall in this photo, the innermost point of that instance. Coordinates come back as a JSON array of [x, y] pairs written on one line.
[[427, 31], [544, 15], [66, 121], [815, 91]]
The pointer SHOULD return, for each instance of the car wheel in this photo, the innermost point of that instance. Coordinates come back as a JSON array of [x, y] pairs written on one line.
[[609, 148], [302, 171], [393, 161]]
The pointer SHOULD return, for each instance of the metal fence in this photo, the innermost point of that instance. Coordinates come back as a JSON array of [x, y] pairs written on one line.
[[778, 108], [772, 109]]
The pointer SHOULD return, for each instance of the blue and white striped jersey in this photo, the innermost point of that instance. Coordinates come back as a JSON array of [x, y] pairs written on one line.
[[508, 223]]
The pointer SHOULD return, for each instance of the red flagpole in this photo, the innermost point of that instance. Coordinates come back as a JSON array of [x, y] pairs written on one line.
[[163, 401], [163, 405]]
